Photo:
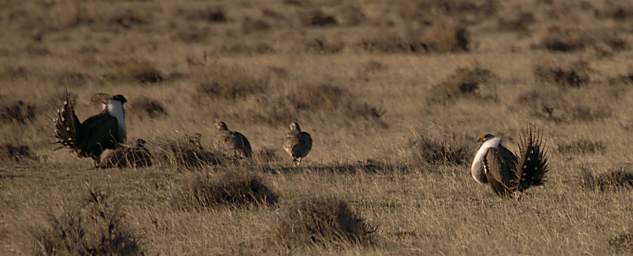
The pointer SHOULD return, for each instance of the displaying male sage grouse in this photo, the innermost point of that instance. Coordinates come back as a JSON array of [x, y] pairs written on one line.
[[91, 137], [297, 143], [135, 156], [234, 141], [505, 172]]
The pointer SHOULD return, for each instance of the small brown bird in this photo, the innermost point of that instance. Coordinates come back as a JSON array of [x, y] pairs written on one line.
[[125, 156], [235, 141], [297, 143], [505, 172]]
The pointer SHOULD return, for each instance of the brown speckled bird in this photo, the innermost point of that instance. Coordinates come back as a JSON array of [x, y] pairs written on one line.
[[297, 143], [506, 173], [234, 141], [135, 156]]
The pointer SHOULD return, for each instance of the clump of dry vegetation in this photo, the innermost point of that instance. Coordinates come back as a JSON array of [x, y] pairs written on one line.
[[136, 156], [445, 37], [211, 14], [231, 82], [94, 226], [18, 111], [521, 22], [187, 152], [233, 190], [622, 80], [73, 79], [464, 82], [389, 42], [145, 106], [618, 178], [570, 40], [447, 150], [555, 105], [143, 72], [575, 75], [323, 221], [267, 155], [15, 152], [582, 146], [323, 46], [622, 243], [323, 98], [318, 18]]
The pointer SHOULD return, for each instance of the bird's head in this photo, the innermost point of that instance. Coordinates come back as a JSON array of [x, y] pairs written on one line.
[[485, 137], [119, 98], [221, 126], [294, 126]]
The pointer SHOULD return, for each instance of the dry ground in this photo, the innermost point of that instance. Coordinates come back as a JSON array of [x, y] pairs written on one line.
[[406, 86]]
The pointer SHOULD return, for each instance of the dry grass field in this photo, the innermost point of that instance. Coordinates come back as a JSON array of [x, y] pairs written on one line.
[[394, 94]]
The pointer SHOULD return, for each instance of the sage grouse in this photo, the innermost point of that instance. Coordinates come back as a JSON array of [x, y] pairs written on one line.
[[234, 141], [505, 172], [135, 156], [91, 137], [297, 143]]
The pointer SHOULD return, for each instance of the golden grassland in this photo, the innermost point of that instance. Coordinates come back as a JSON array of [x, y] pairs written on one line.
[[394, 94]]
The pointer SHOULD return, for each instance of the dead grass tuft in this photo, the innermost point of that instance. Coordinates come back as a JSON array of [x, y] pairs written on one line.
[[318, 18], [464, 82], [445, 37], [231, 83], [144, 106], [142, 72], [571, 40], [15, 152], [187, 152], [126, 157], [268, 155], [14, 73], [95, 226], [582, 146], [252, 25], [323, 46], [616, 179], [323, 98], [73, 79], [553, 104], [449, 150], [233, 190], [622, 243], [391, 43], [130, 19], [575, 75], [212, 14], [323, 221], [18, 111], [519, 23]]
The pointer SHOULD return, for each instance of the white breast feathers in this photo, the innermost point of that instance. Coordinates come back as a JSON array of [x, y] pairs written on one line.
[[115, 109], [476, 169]]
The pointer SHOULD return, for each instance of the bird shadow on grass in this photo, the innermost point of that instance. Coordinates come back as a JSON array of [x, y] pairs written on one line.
[[368, 166]]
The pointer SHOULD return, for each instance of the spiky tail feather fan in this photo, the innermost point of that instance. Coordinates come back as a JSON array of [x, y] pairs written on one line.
[[66, 124], [532, 165]]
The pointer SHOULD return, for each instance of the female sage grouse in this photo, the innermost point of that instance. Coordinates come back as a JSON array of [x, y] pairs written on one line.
[[297, 143], [91, 137], [235, 141], [135, 156], [506, 173]]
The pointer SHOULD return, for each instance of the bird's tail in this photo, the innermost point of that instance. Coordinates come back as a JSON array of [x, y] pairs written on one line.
[[66, 124], [532, 165]]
